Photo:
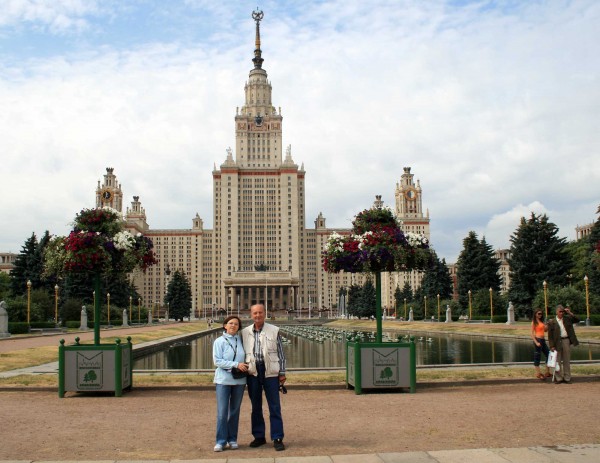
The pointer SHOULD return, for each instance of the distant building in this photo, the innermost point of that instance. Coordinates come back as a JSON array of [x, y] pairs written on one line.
[[7, 261], [582, 231]]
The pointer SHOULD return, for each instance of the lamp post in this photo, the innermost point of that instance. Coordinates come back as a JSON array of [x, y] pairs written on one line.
[[56, 304], [131, 307], [213, 311], [438, 299], [587, 300], [491, 307], [139, 310], [425, 308], [28, 300], [545, 284], [470, 307], [168, 274], [309, 307], [404, 309], [108, 305], [94, 311]]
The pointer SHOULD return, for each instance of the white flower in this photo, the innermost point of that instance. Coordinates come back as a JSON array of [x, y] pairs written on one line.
[[124, 241]]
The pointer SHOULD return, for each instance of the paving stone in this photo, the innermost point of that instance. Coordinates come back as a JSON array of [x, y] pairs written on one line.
[[524, 455], [584, 453], [321, 459], [364, 458], [407, 457], [467, 456]]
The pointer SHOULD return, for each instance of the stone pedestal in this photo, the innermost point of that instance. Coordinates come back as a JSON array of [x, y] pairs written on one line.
[[125, 318], [149, 318], [3, 321], [83, 326], [410, 316], [448, 314]]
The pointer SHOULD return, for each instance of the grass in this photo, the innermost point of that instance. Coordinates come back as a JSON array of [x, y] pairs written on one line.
[[303, 379]]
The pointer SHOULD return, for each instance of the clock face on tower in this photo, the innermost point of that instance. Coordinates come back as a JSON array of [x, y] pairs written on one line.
[[258, 120], [411, 194], [106, 196]]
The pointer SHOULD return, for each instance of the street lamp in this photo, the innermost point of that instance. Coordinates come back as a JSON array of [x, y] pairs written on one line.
[[93, 311], [404, 309], [425, 308], [587, 300], [139, 310], [108, 305], [438, 299], [470, 307], [546, 297], [28, 300], [56, 304], [491, 307], [131, 307]]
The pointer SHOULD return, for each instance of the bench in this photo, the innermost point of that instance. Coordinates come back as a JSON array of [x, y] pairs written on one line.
[[47, 330]]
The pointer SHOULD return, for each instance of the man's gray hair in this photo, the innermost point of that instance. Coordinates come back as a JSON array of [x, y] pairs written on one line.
[[559, 307]]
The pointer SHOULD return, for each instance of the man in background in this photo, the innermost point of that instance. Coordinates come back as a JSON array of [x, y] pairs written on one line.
[[561, 336]]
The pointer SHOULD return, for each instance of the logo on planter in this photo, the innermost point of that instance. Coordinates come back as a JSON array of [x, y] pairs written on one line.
[[89, 371], [385, 368]]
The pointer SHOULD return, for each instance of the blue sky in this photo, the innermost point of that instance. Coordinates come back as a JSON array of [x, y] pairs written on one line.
[[494, 105]]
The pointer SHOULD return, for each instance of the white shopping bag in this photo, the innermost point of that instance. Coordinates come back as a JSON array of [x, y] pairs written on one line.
[[552, 360]]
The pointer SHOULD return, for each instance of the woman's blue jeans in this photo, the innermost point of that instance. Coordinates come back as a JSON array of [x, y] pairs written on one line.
[[229, 402], [537, 353]]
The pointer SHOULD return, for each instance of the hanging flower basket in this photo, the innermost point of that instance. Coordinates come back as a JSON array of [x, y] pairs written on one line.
[[98, 244], [376, 244]]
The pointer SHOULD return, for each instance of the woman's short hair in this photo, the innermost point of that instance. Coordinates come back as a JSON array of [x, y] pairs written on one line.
[[232, 317]]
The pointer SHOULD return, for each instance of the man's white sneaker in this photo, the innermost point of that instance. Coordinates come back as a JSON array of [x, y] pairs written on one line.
[[233, 445], [218, 448]]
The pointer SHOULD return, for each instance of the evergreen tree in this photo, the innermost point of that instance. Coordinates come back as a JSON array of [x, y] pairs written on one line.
[[467, 268], [592, 266], [437, 280], [490, 267], [368, 299], [537, 255], [25, 268], [398, 301], [353, 304], [179, 296], [407, 292]]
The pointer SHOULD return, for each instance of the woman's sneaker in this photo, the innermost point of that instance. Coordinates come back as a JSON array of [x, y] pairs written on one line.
[[233, 445], [218, 448]]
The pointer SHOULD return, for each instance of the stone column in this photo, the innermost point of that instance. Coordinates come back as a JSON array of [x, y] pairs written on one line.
[[83, 326], [3, 321], [125, 318]]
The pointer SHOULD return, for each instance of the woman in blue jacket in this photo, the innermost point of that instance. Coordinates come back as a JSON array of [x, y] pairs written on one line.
[[228, 354]]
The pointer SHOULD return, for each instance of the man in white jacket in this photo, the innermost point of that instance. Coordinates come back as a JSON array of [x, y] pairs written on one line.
[[266, 368]]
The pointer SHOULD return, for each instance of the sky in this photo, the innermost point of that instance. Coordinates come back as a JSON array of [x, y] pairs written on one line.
[[494, 105]]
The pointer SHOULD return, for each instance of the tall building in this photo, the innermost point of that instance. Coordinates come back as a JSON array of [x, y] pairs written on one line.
[[259, 249]]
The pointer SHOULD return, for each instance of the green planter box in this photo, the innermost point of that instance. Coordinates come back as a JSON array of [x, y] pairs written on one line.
[[381, 365], [95, 367]]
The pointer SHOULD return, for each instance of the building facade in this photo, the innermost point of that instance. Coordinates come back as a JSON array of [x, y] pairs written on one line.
[[259, 249]]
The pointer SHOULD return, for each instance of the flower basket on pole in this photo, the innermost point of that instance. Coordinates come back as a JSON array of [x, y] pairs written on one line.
[[97, 245], [377, 244]]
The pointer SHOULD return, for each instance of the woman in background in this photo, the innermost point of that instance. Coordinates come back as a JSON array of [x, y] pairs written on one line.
[[228, 353], [538, 328]]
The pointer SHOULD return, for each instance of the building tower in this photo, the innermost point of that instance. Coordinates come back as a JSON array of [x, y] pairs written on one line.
[[258, 206], [109, 194]]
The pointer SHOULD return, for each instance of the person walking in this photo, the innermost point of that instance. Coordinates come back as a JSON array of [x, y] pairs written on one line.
[[266, 368], [228, 355], [561, 336], [538, 328]]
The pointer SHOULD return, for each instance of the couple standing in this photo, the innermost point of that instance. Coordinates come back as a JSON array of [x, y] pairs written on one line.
[[257, 350]]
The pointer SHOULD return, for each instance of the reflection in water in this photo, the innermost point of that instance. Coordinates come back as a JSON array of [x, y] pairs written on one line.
[[302, 352]]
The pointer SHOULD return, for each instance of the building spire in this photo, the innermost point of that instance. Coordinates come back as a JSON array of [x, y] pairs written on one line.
[[257, 60]]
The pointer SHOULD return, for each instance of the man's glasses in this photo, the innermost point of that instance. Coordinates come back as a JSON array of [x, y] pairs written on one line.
[[283, 389]]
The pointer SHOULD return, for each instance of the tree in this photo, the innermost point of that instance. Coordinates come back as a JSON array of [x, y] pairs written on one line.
[[437, 280], [179, 296], [4, 286], [538, 254], [25, 268], [477, 268], [354, 294], [368, 300]]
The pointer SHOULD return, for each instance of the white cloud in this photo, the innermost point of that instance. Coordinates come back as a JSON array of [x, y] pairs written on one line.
[[491, 109]]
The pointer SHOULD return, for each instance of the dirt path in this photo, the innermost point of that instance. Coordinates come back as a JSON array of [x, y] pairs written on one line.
[[179, 423]]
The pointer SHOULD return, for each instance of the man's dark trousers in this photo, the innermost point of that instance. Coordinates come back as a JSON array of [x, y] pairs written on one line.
[[256, 386]]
